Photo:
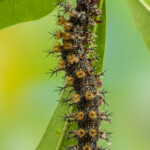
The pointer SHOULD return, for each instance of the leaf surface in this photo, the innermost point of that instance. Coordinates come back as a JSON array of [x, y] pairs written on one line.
[[140, 10], [16, 11], [53, 135], [50, 140]]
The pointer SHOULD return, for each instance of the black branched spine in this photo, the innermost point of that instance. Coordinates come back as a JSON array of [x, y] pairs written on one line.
[[76, 50]]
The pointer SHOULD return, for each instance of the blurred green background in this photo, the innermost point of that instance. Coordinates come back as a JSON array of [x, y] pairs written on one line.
[[28, 97]]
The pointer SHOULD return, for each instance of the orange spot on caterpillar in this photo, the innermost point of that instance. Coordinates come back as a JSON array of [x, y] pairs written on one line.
[[72, 13], [86, 147], [67, 45], [92, 114], [67, 26], [89, 95], [76, 98], [57, 48], [67, 36], [98, 93], [72, 58], [80, 74], [70, 80], [61, 20], [81, 133], [58, 35], [62, 64], [92, 132], [64, 35], [79, 115]]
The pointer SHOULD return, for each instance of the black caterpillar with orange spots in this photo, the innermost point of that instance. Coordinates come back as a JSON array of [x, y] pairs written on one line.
[[77, 57]]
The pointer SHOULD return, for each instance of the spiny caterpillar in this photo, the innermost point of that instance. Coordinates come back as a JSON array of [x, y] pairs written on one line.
[[77, 56]]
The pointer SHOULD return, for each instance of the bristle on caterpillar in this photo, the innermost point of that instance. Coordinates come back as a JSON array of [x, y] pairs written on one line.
[[77, 57]]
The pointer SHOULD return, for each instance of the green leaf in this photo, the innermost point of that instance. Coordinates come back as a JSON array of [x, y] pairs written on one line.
[[54, 135], [141, 13], [16, 11], [100, 31], [50, 140]]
